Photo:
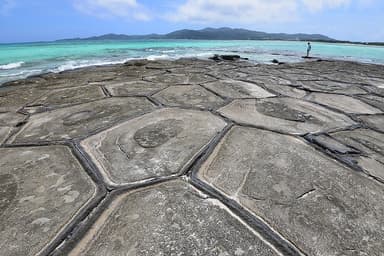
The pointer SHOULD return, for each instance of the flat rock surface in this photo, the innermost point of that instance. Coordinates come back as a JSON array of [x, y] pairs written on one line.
[[158, 144], [375, 122], [134, 88], [286, 115], [303, 194], [189, 96], [237, 89], [169, 219], [80, 120], [194, 157], [343, 103], [371, 146], [41, 190], [69, 96]]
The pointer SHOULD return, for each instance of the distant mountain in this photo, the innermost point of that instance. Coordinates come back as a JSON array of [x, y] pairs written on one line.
[[215, 34]]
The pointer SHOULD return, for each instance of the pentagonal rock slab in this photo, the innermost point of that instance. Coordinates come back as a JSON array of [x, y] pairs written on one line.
[[189, 96], [286, 115], [80, 120], [41, 190], [343, 103], [169, 219], [134, 88], [237, 89], [155, 145], [312, 200]]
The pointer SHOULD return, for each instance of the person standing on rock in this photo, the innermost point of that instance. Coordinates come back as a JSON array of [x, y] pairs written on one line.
[[309, 47]]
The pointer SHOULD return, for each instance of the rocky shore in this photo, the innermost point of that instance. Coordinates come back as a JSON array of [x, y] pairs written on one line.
[[194, 157]]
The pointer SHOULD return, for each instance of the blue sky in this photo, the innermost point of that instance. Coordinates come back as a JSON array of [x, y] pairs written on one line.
[[41, 20]]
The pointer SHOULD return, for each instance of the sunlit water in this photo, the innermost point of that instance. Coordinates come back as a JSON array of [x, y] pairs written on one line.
[[22, 60]]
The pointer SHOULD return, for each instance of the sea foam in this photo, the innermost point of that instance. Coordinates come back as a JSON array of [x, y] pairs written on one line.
[[11, 65]]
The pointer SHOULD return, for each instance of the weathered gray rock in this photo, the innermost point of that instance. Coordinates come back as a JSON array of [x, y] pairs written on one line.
[[66, 97], [371, 146], [13, 98], [332, 87], [134, 88], [8, 122], [343, 103], [312, 200], [189, 96], [169, 219], [41, 189], [286, 115], [333, 145], [80, 120], [373, 100], [237, 89], [179, 78], [159, 144], [4, 133], [374, 121]]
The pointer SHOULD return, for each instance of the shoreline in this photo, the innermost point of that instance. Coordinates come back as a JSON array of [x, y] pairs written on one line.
[[124, 62]]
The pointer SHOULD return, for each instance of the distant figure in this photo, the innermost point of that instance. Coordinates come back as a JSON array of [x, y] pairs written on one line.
[[309, 49]]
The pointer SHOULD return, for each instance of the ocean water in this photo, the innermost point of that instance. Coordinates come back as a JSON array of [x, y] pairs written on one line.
[[25, 59]]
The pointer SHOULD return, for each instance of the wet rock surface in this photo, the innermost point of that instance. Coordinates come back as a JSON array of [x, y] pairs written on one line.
[[194, 157]]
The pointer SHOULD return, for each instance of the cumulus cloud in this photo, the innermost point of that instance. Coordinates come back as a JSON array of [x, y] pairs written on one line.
[[238, 11], [251, 11], [113, 8], [317, 5]]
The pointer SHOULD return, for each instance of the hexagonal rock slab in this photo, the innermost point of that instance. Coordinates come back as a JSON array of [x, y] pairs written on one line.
[[80, 120], [67, 97], [134, 88], [237, 89], [312, 200], [343, 103], [189, 96], [285, 115], [41, 190], [162, 143], [370, 144], [169, 219]]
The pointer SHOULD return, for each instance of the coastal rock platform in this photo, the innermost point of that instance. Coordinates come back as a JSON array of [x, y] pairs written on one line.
[[194, 157]]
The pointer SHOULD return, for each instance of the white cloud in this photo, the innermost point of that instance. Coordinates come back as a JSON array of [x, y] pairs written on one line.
[[6, 6], [251, 11], [237, 11], [318, 5], [112, 8]]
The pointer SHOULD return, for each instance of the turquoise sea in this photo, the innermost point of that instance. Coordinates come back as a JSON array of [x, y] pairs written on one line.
[[25, 59]]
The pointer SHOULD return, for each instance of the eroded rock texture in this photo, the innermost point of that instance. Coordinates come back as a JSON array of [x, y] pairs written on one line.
[[194, 157]]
